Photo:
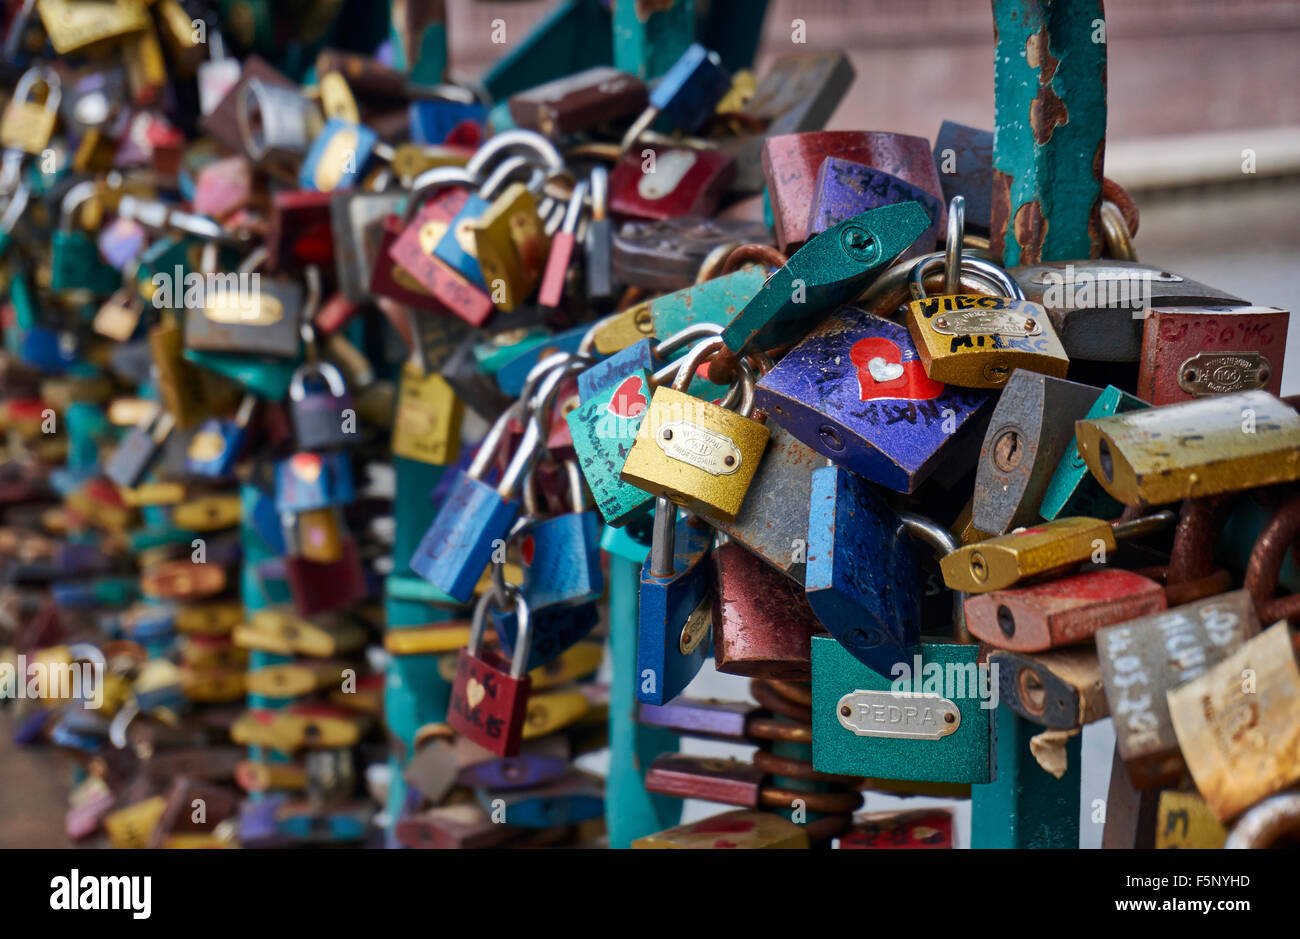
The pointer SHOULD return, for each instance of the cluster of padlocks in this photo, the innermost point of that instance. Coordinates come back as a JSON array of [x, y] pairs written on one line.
[[379, 448]]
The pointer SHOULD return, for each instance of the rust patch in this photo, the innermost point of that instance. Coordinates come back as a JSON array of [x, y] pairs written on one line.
[[647, 8], [1030, 231], [999, 212], [1047, 110]]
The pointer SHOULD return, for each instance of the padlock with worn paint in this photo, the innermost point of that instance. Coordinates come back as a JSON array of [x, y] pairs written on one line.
[[1048, 548], [964, 158], [1063, 611], [1098, 306], [216, 445], [717, 301], [426, 280], [741, 828], [426, 425], [666, 254], [262, 321], [561, 554], [674, 611], [1060, 689], [932, 721], [338, 156], [978, 341], [1194, 448], [832, 268], [555, 630], [658, 182], [1028, 436], [920, 828], [1204, 351], [845, 189], [1145, 658], [550, 292], [861, 579], [1073, 490], [762, 623], [696, 454], [685, 95], [324, 416], [511, 246], [1236, 723], [489, 700], [578, 102], [855, 390], [791, 163]]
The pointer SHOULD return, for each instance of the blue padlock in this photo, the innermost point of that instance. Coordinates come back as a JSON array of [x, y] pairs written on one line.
[[561, 554], [215, 446], [432, 121], [861, 578], [513, 373], [553, 631], [307, 481], [456, 247], [686, 96], [674, 618], [338, 156], [477, 517]]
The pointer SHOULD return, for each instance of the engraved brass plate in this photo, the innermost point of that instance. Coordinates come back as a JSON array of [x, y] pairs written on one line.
[[700, 447]]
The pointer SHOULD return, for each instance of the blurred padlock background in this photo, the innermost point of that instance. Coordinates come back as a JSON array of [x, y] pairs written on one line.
[[1203, 130]]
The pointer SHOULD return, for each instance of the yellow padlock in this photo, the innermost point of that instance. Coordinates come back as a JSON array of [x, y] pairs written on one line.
[[511, 245], [28, 125]]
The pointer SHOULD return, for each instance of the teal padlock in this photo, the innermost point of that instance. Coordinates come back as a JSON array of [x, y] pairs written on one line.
[[75, 261], [715, 301], [267, 378], [930, 720], [1073, 489]]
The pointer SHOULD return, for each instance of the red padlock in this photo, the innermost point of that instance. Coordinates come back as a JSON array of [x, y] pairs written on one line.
[[665, 182], [489, 699]]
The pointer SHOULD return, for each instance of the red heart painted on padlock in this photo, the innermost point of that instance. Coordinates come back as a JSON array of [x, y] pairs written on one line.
[[882, 373], [628, 399], [714, 826]]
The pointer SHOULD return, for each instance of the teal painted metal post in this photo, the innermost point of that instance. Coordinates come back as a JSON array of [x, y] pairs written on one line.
[[630, 811], [733, 29], [418, 29], [1050, 142], [647, 45], [1026, 807], [575, 36]]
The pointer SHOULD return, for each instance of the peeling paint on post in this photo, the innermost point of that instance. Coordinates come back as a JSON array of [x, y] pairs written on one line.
[[650, 35], [1050, 142]]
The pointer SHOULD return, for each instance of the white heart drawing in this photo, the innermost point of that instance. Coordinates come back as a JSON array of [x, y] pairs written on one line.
[[884, 371]]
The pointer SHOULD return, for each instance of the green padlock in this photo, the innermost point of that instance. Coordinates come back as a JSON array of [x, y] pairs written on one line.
[[931, 721], [714, 301], [267, 378]]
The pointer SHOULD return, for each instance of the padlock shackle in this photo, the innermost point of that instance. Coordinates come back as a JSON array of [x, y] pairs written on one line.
[[487, 449], [512, 141], [521, 464], [338, 386], [696, 331], [573, 210], [952, 245], [943, 543], [506, 172], [663, 541], [432, 181], [599, 192], [996, 277], [72, 200], [46, 75], [698, 355], [16, 206]]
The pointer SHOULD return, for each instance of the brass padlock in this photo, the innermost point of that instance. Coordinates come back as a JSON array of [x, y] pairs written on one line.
[[698, 455], [511, 246], [426, 426], [977, 341], [27, 125]]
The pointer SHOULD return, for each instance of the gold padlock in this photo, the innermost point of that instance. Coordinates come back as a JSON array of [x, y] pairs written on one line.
[[319, 536], [695, 454], [975, 341], [426, 426], [625, 328], [28, 125], [210, 513], [73, 25], [511, 245]]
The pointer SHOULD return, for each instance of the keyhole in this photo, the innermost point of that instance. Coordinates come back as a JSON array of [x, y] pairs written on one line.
[[1007, 451], [1104, 459], [1006, 621], [1032, 693]]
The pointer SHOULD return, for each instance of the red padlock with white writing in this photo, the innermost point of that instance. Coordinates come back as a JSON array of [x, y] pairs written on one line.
[[489, 698]]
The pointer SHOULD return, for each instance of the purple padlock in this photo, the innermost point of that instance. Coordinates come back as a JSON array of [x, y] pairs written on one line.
[[845, 189]]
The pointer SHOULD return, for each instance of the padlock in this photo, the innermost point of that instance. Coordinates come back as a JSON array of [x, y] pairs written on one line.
[[693, 453], [338, 157], [932, 721], [1060, 689], [666, 254], [318, 534], [675, 608], [1028, 437], [357, 226], [26, 125], [1145, 658], [733, 782], [208, 513], [855, 390], [570, 800], [426, 425], [319, 587], [215, 447], [921, 828], [460, 541], [216, 76], [604, 429], [309, 480], [274, 121], [561, 256], [771, 525], [1193, 449], [511, 247], [74, 260], [488, 702], [281, 632], [599, 243], [658, 182], [561, 555], [1235, 720], [762, 623], [977, 341], [964, 158], [1073, 490], [578, 102], [247, 312], [791, 163], [1063, 611], [1048, 548], [324, 417], [845, 189], [137, 451], [1270, 823], [872, 607], [685, 95], [1099, 306], [740, 828], [555, 631], [1203, 351]]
